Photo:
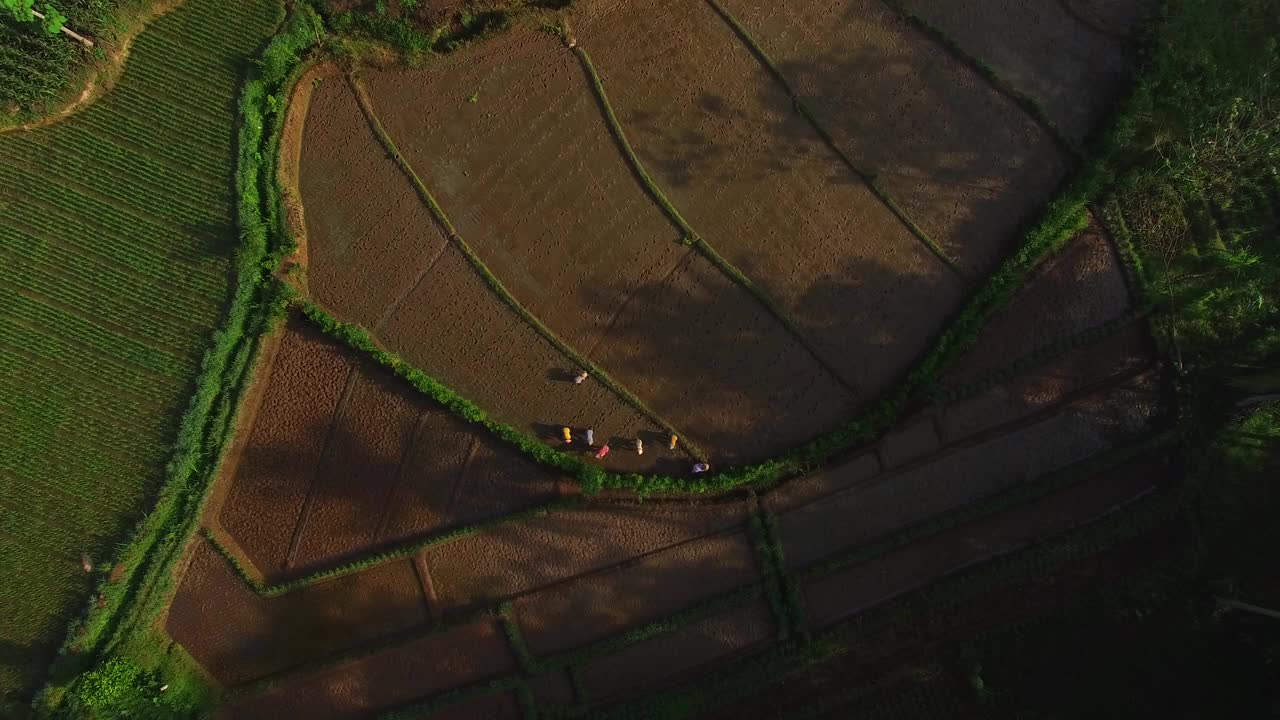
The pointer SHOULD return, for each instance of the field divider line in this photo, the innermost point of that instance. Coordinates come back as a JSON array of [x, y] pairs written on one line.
[[495, 284], [348, 386], [691, 236], [867, 178], [1025, 102], [987, 506], [771, 569]]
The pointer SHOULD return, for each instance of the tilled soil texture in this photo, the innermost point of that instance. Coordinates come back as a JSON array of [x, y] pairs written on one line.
[[237, 635], [648, 588], [360, 687], [962, 475], [759, 183], [1081, 287], [837, 596], [533, 553], [1116, 17], [377, 258], [343, 458], [1070, 68], [532, 178], [669, 657], [1032, 396], [963, 161]]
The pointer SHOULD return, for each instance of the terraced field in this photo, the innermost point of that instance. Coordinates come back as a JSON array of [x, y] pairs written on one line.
[[743, 248], [747, 222], [116, 236]]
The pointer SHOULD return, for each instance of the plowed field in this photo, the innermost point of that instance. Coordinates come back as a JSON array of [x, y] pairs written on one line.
[[964, 161], [1040, 48], [343, 458], [602, 599]]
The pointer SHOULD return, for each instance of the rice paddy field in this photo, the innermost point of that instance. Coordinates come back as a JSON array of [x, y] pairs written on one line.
[[615, 359]]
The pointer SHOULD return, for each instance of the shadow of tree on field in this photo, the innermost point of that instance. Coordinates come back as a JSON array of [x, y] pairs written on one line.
[[961, 160], [752, 384]]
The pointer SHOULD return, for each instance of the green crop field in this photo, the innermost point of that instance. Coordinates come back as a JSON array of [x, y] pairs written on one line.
[[117, 231]]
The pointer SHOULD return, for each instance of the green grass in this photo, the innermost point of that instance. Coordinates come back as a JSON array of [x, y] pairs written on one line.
[[117, 231]]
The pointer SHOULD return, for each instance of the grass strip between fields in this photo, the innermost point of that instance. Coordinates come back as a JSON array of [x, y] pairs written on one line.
[[691, 236], [124, 623], [773, 571], [1040, 356], [989, 506], [749, 675], [244, 568], [868, 179], [499, 288], [1028, 104]]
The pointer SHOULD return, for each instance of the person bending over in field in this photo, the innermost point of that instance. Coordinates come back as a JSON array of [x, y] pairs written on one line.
[[674, 440], [582, 375], [568, 435], [591, 437], [639, 446], [604, 450], [700, 468]]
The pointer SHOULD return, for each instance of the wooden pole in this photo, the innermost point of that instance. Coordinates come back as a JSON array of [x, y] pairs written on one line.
[[69, 32]]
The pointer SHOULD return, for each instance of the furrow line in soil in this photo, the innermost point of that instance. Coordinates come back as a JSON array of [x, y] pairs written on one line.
[[352, 375], [876, 189], [691, 236], [496, 284]]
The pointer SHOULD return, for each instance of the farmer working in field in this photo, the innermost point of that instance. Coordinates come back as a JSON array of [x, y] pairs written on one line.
[[674, 440], [591, 437], [604, 450], [577, 379], [639, 446], [568, 436], [700, 468]]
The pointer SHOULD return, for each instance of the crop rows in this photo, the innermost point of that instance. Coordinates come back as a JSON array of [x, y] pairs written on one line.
[[171, 313], [116, 226]]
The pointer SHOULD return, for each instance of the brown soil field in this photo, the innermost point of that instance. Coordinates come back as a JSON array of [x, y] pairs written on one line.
[[837, 596], [237, 635], [1127, 352], [377, 258], [591, 608], [343, 458], [1075, 72], [961, 475], [962, 160], [517, 557], [369, 236], [1121, 17], [645, 665], [266, 492], [359, 687], [759, 183], [1081, 287], [591, 254]]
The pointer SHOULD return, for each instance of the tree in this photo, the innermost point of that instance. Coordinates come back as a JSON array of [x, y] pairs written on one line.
[[53, 21]]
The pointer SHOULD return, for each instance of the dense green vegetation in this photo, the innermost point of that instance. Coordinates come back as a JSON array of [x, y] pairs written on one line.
[[1201, 195], [39, 68], [117, 231]]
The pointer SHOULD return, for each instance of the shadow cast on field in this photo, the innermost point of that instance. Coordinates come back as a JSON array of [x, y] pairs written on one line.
[[363, 496], [721, 362], [946, 151]]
